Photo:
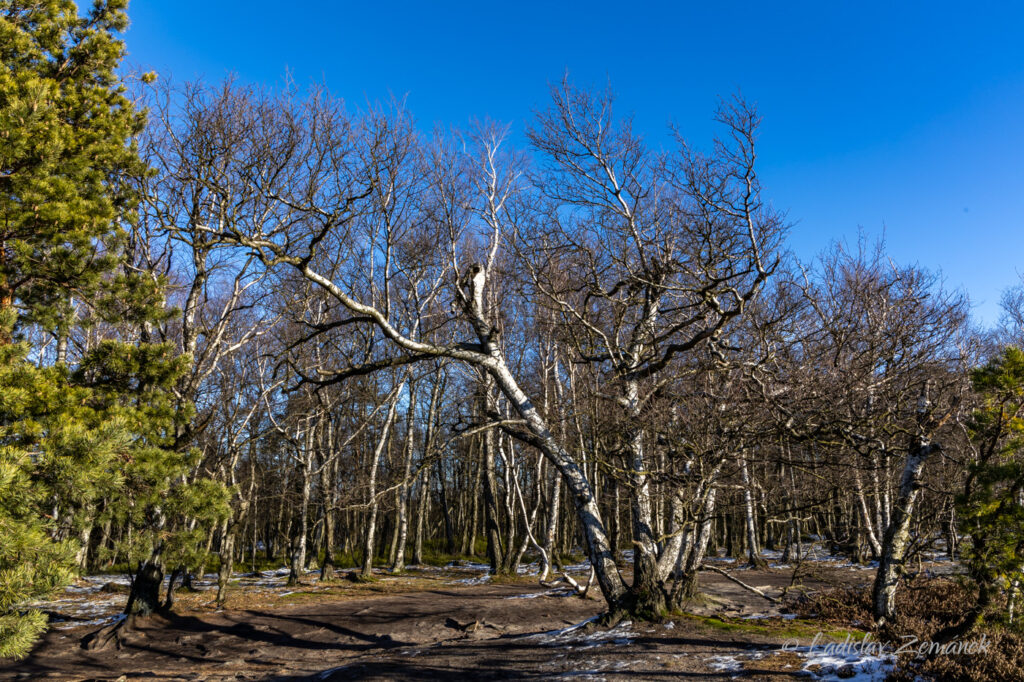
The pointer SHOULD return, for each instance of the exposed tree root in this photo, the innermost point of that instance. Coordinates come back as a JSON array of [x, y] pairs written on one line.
[[116, 635]]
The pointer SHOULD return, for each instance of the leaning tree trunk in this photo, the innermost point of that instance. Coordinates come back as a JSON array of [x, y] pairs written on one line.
[[589, 514], [897, 534]]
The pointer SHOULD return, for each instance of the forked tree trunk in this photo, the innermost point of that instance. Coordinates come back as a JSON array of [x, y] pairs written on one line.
[[686, 585], [648, 588]]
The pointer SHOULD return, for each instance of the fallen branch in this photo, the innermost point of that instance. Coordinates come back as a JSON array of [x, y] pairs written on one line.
[[580, 590], [705, 567]]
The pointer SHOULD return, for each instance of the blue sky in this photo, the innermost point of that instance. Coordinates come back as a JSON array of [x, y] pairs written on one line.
[[907, 120]]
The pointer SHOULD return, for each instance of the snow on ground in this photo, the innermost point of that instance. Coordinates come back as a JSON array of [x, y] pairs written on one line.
[[854, 666], [468, 565], [105, 620], [726, 664], [577, 637], [479, 580], [818, 552], [100, 599], [816, 663]]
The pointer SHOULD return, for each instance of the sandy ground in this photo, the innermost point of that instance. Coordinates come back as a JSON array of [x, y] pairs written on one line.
[[431, 623]]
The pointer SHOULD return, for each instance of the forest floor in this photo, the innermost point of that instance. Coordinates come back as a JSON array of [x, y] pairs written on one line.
[[450, 622]]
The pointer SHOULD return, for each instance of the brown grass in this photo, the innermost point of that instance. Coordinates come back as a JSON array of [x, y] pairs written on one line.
[[924, 607]]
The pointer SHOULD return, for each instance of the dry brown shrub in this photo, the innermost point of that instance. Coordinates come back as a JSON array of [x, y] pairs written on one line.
[[925, 606]]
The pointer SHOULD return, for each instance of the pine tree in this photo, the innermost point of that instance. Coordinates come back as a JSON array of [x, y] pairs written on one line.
[[991, 506], [66, 130], [170, 512], [54, 452], [75, 432]]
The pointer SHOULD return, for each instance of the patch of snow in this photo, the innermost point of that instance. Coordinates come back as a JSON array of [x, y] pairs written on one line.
[[479, 580], [571, 637], [107, 620], [726, 664], [284, 570], [854, 666], [469, 564]]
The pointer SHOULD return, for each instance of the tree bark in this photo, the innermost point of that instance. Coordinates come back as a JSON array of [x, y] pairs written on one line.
[[589, 515], [753, 546], [402, 513], [378, 451], [897, 535]]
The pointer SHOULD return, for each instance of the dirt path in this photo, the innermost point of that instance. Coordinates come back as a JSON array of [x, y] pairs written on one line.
[[430, 630]]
